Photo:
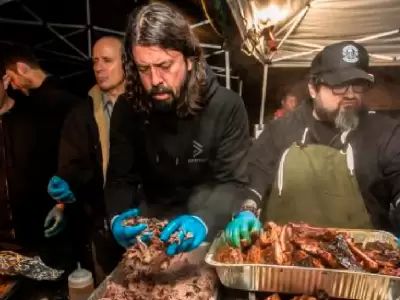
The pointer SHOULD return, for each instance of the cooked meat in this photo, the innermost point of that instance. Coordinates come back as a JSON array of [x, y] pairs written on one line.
[[305, 246], [152, 275]]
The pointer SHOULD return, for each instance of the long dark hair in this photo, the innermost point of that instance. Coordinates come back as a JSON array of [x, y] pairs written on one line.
[[157, 24]]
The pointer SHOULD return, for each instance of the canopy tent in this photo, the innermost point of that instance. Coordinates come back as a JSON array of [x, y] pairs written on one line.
[[65, 30], [309, 25]]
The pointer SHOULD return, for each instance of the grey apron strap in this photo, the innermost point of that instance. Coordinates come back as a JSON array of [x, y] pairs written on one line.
[[316, 184]]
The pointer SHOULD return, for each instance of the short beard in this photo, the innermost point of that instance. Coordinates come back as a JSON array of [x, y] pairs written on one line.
[[347, 119]]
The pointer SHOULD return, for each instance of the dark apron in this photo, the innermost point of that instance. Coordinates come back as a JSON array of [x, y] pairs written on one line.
[[315, 184]]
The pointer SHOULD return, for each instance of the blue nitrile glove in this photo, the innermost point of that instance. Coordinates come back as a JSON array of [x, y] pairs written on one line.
[[241, 227], [184, 225], [55, 218], [126, 235], [59, 190]]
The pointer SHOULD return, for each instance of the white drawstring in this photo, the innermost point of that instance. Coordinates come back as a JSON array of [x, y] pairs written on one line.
[[349, 152], [282, 161], [343, 136], [280, 171], [303, 139], [350, 159]]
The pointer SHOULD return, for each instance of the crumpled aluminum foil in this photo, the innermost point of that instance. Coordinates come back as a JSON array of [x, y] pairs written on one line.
[[12, 264]]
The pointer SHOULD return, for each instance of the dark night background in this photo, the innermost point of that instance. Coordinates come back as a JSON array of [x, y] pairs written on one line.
[[76, 70]]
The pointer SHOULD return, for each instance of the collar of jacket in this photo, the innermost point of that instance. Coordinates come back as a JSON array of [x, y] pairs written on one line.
[[100, 117]]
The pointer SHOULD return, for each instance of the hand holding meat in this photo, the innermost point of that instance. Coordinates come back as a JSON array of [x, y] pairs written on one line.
[[126, 234], [190, 231], [55, 218], [241, 227], [60, 191]]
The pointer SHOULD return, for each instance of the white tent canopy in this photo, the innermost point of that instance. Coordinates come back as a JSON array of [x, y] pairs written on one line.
[[314, 24]]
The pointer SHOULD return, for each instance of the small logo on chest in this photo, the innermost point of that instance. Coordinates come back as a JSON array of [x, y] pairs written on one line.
[[198, 149]]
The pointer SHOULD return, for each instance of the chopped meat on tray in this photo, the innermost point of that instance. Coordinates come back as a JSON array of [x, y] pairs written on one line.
[[149, 274]]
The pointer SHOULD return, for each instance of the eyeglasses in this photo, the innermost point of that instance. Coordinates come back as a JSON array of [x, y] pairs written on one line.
[[358, 88]]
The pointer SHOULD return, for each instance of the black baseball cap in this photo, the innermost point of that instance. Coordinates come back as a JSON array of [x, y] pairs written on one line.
[[342, 62]]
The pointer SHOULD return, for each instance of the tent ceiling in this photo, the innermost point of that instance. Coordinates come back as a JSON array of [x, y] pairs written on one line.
[[321, 22]]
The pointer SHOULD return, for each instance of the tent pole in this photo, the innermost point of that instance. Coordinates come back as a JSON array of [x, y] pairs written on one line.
[[263, 94], [72, 26], [227, 70], [223, 76], [106, 30], [65, 55], [65, 35], [214, 53], [258, 128], [211, 46], [200, 24], [89, 28], [20, 22], [52, 30]]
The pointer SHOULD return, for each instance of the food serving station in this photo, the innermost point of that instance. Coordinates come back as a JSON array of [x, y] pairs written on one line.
[[291, 261]]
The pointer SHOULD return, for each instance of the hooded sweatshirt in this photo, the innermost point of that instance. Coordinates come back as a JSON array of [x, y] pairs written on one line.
[[194, 163]]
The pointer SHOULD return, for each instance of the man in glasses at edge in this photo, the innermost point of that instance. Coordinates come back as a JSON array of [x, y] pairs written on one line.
[[329, 163]]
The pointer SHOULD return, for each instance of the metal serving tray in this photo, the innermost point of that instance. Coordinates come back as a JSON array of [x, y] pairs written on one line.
[[342, 284], [9, 291], [117, 276]]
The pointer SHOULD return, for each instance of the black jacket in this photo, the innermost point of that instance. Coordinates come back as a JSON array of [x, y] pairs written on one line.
[[80, 159], [194, 163], [31, 134], [376, 146], [80, 164]]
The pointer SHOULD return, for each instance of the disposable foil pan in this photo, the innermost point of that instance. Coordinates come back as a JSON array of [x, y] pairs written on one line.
[[342, 284], [117, 276]]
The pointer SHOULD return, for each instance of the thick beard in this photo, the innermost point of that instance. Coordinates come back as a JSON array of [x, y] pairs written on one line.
[[171, 104]]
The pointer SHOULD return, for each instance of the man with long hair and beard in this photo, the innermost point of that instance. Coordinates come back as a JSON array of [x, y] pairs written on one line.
[[179, 142], [329, 163]]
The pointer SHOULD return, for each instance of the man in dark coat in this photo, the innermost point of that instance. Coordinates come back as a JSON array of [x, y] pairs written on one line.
[[329, 163], [179, 142], [84, 155], [31, 134]]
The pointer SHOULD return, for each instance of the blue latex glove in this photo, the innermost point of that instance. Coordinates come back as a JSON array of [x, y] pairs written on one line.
[[55, 218], [183, 225], [241, 227], [126, 235], [59, 190]]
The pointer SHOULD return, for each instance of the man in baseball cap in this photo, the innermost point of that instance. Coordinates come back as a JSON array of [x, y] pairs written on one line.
[[329, 162]]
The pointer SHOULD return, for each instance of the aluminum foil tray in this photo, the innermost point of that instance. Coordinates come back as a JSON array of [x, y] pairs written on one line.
[[342, 284], [117, 276], [11, 287]]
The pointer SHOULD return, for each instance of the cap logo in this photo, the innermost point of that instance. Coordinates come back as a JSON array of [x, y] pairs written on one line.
[[350, 54]]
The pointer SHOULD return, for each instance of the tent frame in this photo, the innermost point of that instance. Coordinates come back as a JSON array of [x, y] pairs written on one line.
[[80, 56], [287, 29]]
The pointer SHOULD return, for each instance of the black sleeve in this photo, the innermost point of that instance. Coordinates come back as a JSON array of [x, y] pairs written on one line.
[[233, 143], [216, 203], [74, 162], [263, 159], [122, 177], [389, 162]]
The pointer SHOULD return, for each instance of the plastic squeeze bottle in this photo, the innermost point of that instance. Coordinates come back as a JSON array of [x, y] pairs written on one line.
[[80, 284]]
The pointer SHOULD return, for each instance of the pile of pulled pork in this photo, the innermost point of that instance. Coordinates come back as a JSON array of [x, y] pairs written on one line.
[[305, 246], [149, 274]]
